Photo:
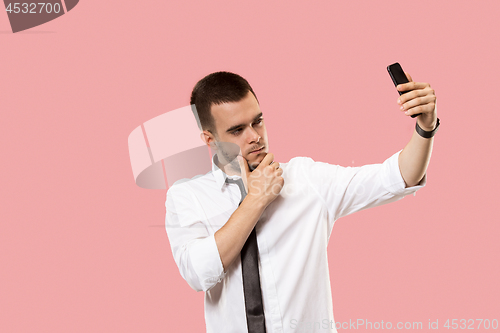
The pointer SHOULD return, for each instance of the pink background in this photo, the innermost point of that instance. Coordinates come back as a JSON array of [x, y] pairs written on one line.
[[83, 249]]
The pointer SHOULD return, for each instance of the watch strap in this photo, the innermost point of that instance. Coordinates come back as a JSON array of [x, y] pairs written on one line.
[[426, 134]]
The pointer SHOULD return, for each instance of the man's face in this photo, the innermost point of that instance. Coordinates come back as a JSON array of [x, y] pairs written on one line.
[[242, 124]]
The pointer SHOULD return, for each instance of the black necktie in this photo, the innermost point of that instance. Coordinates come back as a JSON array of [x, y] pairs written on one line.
[[251, 278]]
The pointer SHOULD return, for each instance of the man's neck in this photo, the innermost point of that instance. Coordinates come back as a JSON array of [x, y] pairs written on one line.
[[228, 168]]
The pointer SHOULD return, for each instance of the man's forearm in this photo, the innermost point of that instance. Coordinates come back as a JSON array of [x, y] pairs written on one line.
[[414, 158], [419, 99], [233, 235]]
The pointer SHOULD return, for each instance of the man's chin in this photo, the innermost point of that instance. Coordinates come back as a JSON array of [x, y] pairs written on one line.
[[253, 164]]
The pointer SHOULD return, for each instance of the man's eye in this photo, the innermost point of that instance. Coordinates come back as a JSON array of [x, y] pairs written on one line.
[[236, 132]]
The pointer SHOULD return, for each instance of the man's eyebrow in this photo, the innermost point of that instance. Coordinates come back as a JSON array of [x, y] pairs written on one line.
[[232, 128]]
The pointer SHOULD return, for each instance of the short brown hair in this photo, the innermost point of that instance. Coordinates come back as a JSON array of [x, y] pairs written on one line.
[[215, 89]]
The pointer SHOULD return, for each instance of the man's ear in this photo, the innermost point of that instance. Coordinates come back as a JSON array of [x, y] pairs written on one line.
[[208, 138]]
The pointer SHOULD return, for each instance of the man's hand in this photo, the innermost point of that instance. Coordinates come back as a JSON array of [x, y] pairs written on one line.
[[263, 184], [421, 99]]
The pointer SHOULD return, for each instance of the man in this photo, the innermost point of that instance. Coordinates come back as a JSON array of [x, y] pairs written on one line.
[[286, 210]]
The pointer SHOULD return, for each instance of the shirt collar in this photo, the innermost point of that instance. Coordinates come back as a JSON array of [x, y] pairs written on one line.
[[219, 175]]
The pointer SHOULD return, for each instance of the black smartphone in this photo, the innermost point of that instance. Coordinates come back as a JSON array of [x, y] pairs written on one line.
[[398, 77]]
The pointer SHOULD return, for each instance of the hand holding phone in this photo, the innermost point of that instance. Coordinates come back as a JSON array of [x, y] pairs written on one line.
[[398, 76]]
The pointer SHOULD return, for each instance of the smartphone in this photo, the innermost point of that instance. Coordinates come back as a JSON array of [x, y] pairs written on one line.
[[398, 77]]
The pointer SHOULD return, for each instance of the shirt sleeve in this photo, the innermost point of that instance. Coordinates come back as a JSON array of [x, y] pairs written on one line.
[[193, 246], [345, 190]]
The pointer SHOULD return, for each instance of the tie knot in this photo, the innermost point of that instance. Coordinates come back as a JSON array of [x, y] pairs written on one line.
[[240, 184], [235, 181]]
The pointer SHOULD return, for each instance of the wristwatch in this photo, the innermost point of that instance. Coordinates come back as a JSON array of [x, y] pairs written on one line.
[[426, 134]]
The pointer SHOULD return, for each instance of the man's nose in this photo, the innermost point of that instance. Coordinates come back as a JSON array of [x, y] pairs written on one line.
[[253, 136]]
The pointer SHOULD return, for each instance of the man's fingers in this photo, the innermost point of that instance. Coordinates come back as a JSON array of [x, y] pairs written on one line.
[[414, 94], [245, 170], [412, 85], [426, 108], [408, 76], [243, 165], [425, 104], [418, 101], [405, 86], [268, 159], [426, 99]]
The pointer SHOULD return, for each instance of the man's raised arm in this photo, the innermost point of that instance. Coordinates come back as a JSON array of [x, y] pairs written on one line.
[[415, 157]]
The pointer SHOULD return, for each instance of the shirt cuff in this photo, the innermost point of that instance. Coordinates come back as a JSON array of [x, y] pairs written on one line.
[[393, 180], [206, 262]]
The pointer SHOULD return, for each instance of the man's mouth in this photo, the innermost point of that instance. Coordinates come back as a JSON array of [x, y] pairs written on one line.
[[257, 151]]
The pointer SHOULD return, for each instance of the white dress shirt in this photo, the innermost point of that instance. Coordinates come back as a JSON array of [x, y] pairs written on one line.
[[292, 236]]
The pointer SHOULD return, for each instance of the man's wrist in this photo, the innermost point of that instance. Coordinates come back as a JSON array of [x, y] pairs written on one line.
[[426, 132], [256, 202], [427, 128]]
